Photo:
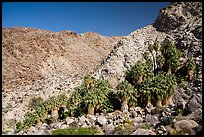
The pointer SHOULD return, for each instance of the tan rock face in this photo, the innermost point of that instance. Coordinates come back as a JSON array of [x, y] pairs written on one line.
[[31, 54]]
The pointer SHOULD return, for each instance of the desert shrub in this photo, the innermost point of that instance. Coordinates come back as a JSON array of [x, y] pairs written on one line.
[[125, 129], [75, 131], [35, 101], [145, 126], [19, 127]]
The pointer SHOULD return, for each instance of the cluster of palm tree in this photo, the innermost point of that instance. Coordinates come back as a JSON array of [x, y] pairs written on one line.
[[158, 91], [127, 94], [171, 55], [43, 110], [152, 78], [91, 97], [139, 72]]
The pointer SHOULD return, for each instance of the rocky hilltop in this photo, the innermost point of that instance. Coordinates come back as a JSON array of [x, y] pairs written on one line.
[[45, 63], [33, 54]]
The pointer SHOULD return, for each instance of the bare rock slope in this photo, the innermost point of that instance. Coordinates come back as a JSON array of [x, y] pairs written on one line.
[[32, 54]]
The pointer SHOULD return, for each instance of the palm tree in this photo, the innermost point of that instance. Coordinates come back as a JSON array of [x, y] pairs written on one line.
[[101, 91], [125, 92], [54, 102], [147, 95], [30, 120], [171, 55], [170, 84], [133, 100], [146, 55], [156, 47], [63, 101], [89, 82], [54, 114], [151, 49], [160, 61], [75, 97], [41, 115], [138, 73], [160, 96], [173, 63], [190, 66], [90, 101]]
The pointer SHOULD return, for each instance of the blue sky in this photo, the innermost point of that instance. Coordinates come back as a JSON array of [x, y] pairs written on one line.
[[105, 18]]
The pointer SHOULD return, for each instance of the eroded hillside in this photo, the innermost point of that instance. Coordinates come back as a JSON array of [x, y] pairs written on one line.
[[33, 54]]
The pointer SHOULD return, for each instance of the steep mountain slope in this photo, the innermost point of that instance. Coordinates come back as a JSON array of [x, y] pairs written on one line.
[[44, 63], [185, 26], [33, 54], [128, 51], [182, 23]]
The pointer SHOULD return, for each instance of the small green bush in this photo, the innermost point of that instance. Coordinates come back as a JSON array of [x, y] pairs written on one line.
[[145, 126], [75, 131], [125, 129], [19, 126]]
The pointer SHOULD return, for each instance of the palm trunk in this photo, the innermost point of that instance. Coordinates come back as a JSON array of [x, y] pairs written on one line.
[[149, 107], [92, 87], [190, 74], [159, 103], [165, 102], [38, 123], [90, 109], [169, 100], [97, 108], [154, 63], [54, 115], [124, 105], [149, 102], [139, 81], [87, 88], [64, 106]]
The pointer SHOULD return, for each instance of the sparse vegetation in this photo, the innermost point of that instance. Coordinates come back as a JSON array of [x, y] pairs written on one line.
[[151, 81], [125, 129], [75, 131]]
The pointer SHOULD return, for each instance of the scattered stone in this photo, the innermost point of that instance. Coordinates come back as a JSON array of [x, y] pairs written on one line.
[[153, 119], [108, 129], [69, 120], [185, 124], [163, 128], [40, 132], [101, 120], [134, 114], [140, 131], [194, 103], [138, 119], [64, 126], [81, 120], [138, 110]]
